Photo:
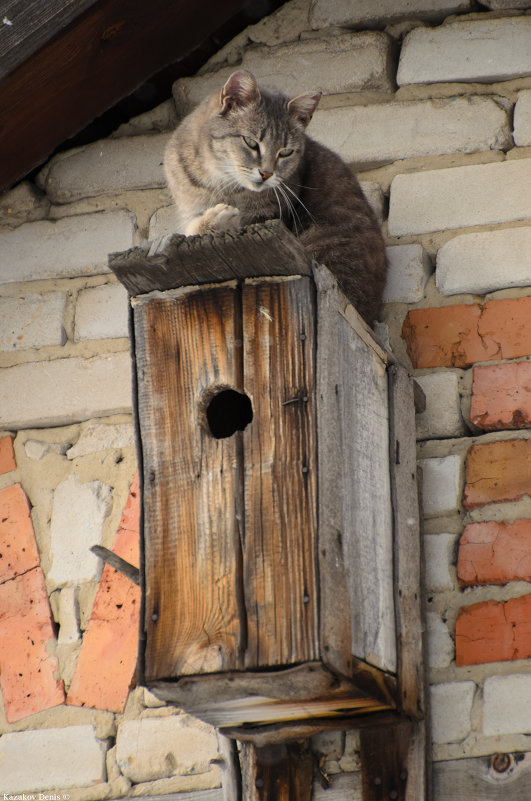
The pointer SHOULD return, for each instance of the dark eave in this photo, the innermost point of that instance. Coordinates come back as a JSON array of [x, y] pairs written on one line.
[[65, 62]]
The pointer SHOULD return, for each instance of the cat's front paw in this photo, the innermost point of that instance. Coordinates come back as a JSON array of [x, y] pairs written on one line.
[[218, 218]]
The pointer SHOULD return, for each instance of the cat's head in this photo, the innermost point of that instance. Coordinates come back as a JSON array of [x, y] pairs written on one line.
[[257, 136]]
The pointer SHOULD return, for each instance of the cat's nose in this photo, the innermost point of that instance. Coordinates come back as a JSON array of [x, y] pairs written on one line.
[[265, 174]]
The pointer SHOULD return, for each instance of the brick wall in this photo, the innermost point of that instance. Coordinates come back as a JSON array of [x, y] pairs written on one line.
[[430, 102]]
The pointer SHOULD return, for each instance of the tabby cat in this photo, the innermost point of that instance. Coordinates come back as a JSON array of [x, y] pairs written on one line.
[[243, 156]]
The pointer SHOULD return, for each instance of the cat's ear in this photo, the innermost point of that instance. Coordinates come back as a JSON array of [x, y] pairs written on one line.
[[240, 90], [301, 108]]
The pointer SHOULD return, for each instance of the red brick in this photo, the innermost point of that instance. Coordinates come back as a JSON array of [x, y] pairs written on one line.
[[493, 632], [27, 671], [495, 553], [105, 670], [18, 549], [460, 335], [497, 471], [501, 396], [7, 455]]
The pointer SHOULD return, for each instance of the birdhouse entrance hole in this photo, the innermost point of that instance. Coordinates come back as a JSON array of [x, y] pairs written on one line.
[[227, 412]]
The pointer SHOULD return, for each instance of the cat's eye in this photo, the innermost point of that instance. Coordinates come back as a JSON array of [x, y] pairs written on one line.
[[285, 152], [252, 143]]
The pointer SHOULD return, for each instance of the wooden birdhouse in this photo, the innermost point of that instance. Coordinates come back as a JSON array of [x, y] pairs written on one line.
[[281, 562]]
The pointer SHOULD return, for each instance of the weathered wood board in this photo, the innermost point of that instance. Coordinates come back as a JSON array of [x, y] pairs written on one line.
[[355, 516], [467, 779]]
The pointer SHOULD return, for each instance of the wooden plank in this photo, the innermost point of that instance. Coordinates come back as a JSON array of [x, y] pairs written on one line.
[[358, 498], [343, 787], [176, 260], [501, 777], [281, 772], [186, 347], [383, 754], [281, 590], [408, 561]]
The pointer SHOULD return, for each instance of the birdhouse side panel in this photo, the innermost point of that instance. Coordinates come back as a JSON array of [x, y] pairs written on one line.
[[187, 347]]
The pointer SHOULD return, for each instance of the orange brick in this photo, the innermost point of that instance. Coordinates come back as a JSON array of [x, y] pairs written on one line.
[[105, 670], [494, 553], [7, 455], [460, 335], [493, 632], [27, 671], [18, 550], [501, 396], [497, 471]]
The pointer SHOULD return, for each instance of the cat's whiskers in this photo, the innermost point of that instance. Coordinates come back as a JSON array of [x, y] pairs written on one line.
[[308, 212]]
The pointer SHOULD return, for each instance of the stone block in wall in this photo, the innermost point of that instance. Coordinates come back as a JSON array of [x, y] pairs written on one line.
[[493, 631], [438, 550], [460, 197], [64, 391], [105, 669], [51, 759], [19, 550], [440, 644], [485, 262], [494, 553], [501, 396], [68, 617], [102, 312], [66, 248], [451, 710], [441, 485], [384, 132], [155, 748], [23, 203], [78, 512], [102, 437], [381, 12], [496, 472], [409, 270], [522, 120], [442, 416], [7, 455], [461, 335], [106, 167], [349, 62], [506, 704], [477, 50], [31, 321], [374, 197]]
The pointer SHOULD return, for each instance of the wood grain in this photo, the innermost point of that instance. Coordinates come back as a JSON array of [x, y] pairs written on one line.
[[185, 347], [281, 592], [176, 260], [282, 772], [466, 779]]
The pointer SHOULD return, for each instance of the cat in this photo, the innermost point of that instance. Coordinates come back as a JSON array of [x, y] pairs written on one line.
[[243, 156]]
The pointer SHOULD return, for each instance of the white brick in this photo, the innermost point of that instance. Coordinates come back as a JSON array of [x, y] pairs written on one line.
[[441, 485], [522, 120], [450, 709], [374, 197], [23, 203], [350, 62], [371, 12], [101, 437], [438, 556], [154, 748], [507, 705], [440, 644], [64, 249], [505, 4], [102, 313], [442, 417], [473, 50], [64, 391], [51, 759], [32, 321], [106, 167], [372, 135], [460, 197], [481, 263], [409, 269], [68, 616], [78, 514]]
